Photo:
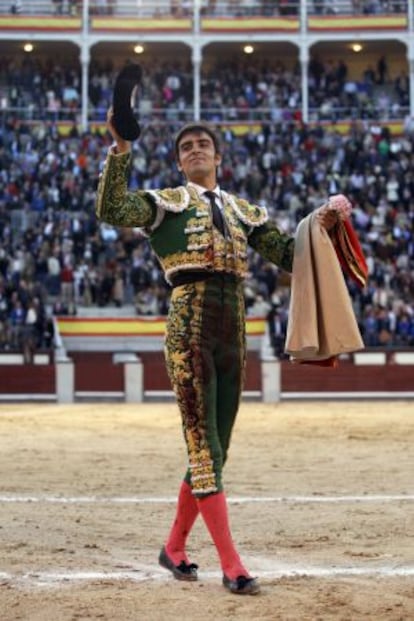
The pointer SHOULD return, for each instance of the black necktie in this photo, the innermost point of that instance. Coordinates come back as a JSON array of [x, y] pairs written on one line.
[[218, 219]]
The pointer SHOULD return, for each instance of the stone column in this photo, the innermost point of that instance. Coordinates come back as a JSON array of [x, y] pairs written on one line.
[[65, 380], [85, 58], [196, 59], [304, 63], [133, 376], [271, 384]]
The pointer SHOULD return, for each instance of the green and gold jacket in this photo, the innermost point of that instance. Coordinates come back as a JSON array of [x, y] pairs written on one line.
[[184, 237]]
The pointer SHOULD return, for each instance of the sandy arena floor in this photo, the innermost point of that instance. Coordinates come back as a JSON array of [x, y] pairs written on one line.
[[321, 504]]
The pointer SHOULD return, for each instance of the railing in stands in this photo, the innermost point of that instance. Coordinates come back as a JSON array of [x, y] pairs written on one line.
[[207, 8], [172, 116]]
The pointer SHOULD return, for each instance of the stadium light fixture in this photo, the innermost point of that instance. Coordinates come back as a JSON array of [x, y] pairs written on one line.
[[28, 47], [139, 49], [248, 49], [356, 47]]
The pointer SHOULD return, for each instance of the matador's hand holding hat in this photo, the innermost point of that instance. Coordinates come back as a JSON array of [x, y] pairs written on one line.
[[123, 118]]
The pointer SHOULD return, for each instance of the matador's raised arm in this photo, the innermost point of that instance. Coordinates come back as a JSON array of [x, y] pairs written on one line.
[[117, 205]]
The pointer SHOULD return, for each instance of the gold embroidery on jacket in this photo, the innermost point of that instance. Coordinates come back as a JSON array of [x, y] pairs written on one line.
[[171, 199]]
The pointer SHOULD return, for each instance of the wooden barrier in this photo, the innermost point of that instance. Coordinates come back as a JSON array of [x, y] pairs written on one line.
[[109, 376]]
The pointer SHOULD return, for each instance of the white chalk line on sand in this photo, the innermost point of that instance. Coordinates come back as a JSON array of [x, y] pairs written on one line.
[[146, 573], [317, 498], [50, 578]]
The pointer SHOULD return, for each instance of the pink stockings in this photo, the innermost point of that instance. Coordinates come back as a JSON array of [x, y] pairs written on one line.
[[187, 511], [213, 509]]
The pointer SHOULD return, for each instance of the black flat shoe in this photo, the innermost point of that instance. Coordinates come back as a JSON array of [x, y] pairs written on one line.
[[242, 585], [183, 571]]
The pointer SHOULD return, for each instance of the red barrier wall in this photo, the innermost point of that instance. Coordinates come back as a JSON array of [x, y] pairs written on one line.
[[96, 372], [347, 377], [27, 379]]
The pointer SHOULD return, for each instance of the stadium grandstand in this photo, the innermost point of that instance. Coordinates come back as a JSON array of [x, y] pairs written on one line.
[[313, 98]]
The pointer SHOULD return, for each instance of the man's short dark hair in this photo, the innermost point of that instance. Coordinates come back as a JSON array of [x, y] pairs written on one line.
[[196, 127]]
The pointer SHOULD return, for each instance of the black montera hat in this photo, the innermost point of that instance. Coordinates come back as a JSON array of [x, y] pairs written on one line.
[[123, 120]]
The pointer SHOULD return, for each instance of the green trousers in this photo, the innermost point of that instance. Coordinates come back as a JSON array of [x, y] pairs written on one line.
[[205, 352]]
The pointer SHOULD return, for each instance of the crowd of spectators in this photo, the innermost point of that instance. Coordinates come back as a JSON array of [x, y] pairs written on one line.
[[56, 258], [243, 89]]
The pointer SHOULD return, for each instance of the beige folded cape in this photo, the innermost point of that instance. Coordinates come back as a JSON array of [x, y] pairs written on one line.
[[321, 322]]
